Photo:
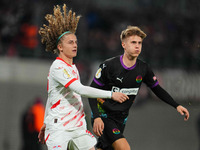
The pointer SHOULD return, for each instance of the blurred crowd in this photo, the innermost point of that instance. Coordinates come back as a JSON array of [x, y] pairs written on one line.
[[173, 30]]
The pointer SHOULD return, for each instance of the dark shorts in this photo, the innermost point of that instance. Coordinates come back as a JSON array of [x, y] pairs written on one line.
[[113, 130]]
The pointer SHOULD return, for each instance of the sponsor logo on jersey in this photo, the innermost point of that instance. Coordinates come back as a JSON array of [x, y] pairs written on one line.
[[98, 73], [116, 131], [75, 74], [120, 79], [127, 91], [139, 79], [115, 89]]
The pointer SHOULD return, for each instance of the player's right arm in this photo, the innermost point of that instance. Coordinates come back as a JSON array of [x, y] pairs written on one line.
[[98, 126], [42, 134]]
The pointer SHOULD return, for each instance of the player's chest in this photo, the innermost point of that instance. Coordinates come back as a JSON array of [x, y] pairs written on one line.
[[126, 78]]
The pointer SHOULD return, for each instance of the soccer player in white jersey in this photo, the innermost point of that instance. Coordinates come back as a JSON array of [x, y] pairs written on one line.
[[64, 123]]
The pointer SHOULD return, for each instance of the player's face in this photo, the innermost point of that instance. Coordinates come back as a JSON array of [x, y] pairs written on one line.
[[132, 45], [68, 46]]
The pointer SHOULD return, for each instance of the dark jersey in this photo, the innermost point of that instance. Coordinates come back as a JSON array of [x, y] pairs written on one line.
[[114, 75]]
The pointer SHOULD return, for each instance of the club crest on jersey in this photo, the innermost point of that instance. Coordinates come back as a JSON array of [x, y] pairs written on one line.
[[139, 79], [98, 73], [66, 74]]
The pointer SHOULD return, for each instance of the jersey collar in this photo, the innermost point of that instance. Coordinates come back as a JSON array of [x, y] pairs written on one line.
[[58, 58], [123, 65]]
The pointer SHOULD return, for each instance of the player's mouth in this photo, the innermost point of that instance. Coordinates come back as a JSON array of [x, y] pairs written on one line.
[[74, 50], [137, 51]]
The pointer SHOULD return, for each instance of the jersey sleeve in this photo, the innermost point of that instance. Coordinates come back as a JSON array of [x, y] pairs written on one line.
[[64, 75], [164, 96], [98, 82], [150, 79], [87, 91], [100, 75]]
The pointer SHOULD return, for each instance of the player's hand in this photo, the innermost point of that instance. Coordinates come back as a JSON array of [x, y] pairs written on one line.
[[98, 126], [183, 111], [119, 97], [42, 134]]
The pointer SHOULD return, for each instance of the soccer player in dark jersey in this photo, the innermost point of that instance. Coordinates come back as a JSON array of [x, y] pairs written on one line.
[[123, 73]]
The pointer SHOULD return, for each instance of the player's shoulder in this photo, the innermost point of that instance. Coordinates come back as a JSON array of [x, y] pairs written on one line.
[[141, 62], [58, 64], [112, 60]]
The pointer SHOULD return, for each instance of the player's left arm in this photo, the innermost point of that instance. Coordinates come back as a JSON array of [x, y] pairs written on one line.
[[152, 82], [163, 95]]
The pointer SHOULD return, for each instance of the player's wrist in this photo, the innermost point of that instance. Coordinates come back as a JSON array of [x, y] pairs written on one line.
[[97, 118]]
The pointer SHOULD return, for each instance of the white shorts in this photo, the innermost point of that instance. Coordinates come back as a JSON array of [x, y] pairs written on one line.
[[79, 139]]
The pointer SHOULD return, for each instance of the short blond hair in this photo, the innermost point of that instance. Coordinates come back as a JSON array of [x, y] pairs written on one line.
[[132, 30]]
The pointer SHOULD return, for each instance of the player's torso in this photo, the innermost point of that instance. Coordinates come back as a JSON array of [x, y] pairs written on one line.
[[66, 105], [125, 80]]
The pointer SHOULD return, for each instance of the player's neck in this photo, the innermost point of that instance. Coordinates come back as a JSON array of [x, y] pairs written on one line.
[[129, 61], [66, 59]]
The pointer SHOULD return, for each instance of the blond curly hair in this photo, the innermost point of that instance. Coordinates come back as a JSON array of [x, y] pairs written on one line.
[[59, 22]]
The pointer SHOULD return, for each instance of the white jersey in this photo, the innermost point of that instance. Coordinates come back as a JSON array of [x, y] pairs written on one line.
[[64, 108]]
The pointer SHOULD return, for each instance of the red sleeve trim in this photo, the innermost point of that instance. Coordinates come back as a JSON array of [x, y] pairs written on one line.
[[74, 79]]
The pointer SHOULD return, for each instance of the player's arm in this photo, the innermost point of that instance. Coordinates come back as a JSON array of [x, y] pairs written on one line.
[[151, 80], [163, 95], [69, 80], [93, 103], [91, 92], [98, 82], [98, 125], [42, 134]]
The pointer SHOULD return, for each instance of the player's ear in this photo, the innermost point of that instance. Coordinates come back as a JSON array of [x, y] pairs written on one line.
[[59, 47], [123, 44]]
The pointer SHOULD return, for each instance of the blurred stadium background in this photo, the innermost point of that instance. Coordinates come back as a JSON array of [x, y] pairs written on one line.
[[172, 48]]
